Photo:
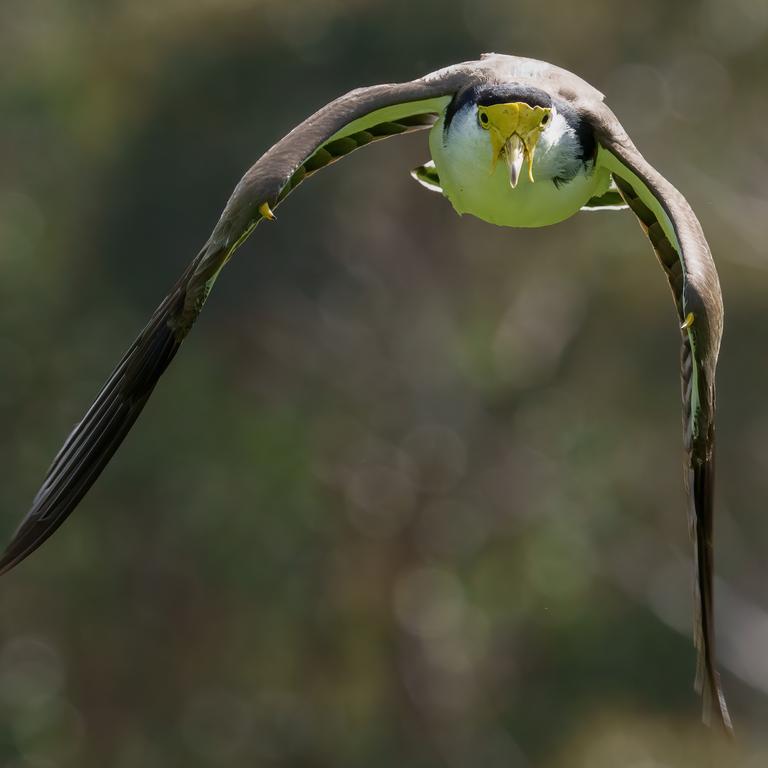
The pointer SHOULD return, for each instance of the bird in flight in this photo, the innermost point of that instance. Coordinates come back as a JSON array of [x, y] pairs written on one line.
[[513, 141]]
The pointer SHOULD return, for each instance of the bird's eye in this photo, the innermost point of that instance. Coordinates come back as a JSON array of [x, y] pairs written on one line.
[[483, 119], [545, 119]]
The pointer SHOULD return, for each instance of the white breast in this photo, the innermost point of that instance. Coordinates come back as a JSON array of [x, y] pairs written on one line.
[[464, 167]]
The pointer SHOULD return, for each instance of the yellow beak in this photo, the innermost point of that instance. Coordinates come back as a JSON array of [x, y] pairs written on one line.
[[514, 130]]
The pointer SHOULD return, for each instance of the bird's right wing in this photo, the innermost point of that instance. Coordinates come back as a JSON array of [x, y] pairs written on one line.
[[683, 252], [351, 121]]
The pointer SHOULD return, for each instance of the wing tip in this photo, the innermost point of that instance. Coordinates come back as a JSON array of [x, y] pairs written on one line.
[[700, 483], [13, 554], [34, 531], [93, 441], [714, 705]]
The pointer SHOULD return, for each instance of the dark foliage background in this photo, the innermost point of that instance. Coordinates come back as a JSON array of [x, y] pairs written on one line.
[[411, 495]]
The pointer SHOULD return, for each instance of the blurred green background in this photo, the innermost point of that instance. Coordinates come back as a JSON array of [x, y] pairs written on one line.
[[412, 493]]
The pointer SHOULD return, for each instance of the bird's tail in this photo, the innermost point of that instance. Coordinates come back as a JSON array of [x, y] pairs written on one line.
[[98, 435]]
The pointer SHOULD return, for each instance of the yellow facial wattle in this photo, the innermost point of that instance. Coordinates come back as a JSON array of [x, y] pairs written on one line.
[[514, 130]]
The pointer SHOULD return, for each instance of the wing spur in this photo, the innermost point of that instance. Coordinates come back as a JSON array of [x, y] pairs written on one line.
[[351, 121], [682, 250]]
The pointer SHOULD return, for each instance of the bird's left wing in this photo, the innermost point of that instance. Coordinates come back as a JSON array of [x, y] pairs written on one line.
[[351, 121], [682, 250]]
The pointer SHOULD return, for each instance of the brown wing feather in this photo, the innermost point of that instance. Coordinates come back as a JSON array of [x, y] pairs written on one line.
[[314, 144], [682, 250], [351, 121], [97, 436]]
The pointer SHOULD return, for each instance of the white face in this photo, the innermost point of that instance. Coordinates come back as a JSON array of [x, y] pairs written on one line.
[[464, 158], [556, 152]]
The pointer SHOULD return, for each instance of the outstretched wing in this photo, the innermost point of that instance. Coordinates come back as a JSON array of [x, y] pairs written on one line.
[[682, 250], [350, 122]]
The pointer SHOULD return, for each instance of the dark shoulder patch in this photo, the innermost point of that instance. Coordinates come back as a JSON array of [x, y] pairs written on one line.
[[461, 98], [583, 129]]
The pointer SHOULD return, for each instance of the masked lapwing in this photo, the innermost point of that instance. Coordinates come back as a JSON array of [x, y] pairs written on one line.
[[513, 141]]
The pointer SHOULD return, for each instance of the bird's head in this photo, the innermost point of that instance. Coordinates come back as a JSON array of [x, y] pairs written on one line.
[[514, 129], [538, 136], [547, 146]]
